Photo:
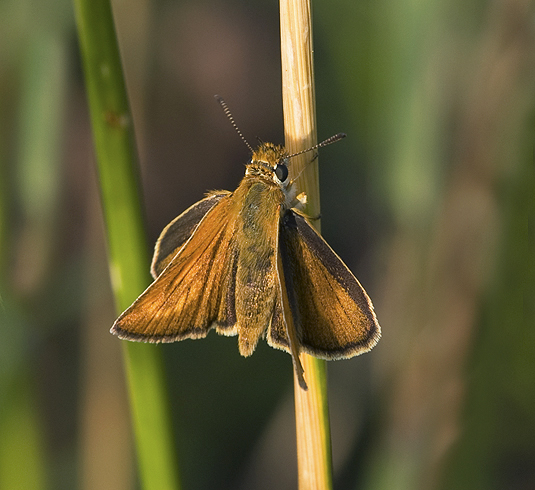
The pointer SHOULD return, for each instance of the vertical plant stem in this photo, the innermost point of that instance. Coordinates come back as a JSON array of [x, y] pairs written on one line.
[[311, 406], [118, 174]]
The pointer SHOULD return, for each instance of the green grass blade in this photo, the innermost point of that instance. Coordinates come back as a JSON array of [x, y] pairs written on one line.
[[119, 182]]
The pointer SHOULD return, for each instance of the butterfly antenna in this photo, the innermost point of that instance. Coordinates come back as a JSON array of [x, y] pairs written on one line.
[[328, 141], [226, 110]]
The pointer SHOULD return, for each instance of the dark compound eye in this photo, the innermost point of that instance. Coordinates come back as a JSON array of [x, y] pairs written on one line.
[[281, 171]]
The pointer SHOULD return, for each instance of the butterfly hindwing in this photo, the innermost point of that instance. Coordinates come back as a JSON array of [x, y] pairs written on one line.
[[332, 314], [175, 234]]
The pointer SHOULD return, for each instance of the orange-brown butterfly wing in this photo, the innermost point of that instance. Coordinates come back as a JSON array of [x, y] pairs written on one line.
[[332, 314], [176, 233], [195, 291]]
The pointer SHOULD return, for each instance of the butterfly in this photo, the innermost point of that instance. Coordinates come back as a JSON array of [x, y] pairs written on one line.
[[250, 263]]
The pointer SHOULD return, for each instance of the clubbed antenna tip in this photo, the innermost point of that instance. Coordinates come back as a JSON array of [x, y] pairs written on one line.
[[328, 141]]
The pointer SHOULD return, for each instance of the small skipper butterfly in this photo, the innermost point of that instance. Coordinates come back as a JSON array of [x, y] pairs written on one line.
[[249, 263]]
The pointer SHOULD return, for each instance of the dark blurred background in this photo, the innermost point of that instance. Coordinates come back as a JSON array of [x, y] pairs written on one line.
[[430, 201]]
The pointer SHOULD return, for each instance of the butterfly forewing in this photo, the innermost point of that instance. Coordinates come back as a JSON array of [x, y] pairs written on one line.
[[333, 315], [195, 291]]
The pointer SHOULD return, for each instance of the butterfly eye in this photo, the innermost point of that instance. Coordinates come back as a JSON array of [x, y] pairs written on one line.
[[281, 171]]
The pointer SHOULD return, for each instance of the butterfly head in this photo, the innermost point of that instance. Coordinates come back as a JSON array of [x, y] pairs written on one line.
[[270, 161]]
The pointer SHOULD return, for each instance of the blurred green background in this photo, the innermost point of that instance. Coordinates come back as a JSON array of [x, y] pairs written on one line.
[[430, 201]]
